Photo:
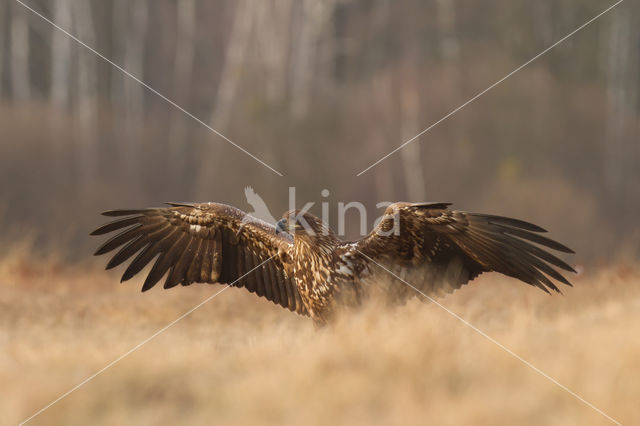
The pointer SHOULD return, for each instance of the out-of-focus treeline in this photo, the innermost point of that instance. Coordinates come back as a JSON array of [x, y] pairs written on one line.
[[319, 90]]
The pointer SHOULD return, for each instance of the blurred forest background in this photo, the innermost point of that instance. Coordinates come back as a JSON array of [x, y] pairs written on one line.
[[319, 90]]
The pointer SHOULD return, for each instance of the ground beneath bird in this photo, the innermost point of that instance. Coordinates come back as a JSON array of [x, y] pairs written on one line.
[[239, 359]]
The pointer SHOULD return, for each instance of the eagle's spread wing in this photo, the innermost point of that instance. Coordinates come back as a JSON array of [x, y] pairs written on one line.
[[206, 243], [437, 249]]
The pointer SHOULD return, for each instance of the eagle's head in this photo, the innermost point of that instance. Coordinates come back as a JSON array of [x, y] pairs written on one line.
[[302, 225]]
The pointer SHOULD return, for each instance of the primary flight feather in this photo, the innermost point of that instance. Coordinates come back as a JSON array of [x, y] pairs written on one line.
[[417, 249]]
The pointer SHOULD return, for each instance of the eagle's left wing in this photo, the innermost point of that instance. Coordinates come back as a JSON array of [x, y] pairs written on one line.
[[203, 243], [436, 249]]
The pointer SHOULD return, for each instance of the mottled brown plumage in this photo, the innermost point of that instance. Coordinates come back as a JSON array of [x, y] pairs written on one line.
[[303, 266]]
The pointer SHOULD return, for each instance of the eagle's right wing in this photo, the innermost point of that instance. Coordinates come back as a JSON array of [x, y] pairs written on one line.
[[206, 243], [439, 250]]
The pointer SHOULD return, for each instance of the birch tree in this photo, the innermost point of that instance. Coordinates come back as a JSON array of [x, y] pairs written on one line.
[[119, 18], [449, 45], [186, 22], [310, 50], [134, 48], [235, 57], [410, 154], [621, 152], [19, 54], [60, 55], [129, 32], [3, 6], [382, 121], [273, 40], [86, 93]]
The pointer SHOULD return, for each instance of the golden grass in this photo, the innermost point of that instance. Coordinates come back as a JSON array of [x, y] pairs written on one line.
[[240, 360]]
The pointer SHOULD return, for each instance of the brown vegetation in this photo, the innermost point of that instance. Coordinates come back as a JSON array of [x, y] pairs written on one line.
[[319, 90], [239, 359]]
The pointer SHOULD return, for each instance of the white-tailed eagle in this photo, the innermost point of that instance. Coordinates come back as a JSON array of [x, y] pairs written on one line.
[[303, 266]]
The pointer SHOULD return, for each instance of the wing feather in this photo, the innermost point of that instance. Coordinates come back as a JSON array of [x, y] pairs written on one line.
[[176, 275], [241, 267], [291, 297], [499, 257], [208, 243], [119, 239], [508, 221], [250, 265], [116, 225], [127, 251], [193, 271], [206, 266], [159, 268], [263, 279], [539, 239], [279, 293], [443, 249]]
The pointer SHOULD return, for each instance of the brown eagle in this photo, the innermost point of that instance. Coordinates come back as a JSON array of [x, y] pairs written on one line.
[[303, 266]]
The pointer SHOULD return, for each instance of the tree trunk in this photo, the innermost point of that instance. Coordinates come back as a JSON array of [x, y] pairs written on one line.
[[3, 7], [135, 15], [621, 156], [185, 49], [86, 110], [410, 154], [119, 18], [230, 78], [459, 145], [303, 52], [134, 61], [60, 56], [183, 71], [449, 46], [19, 62], [273, 35], [232, 69], [382, 122], [310, 25]]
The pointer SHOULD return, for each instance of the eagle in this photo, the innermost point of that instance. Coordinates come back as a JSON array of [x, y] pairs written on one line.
[[420, 250]]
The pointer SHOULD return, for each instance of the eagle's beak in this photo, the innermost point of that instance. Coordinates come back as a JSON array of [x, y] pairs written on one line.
[[282, 228]]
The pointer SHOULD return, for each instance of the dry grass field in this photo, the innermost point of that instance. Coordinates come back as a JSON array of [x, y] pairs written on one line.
[[240, 360]]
